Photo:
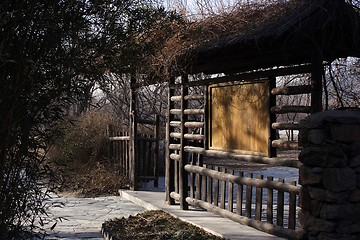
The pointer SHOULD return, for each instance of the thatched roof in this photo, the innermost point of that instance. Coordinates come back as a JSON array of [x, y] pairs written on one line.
[[276, 35]]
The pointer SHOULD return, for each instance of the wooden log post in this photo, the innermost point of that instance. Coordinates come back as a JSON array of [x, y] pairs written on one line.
[[157, 150], [133, 135], [272, 103], [169, 163], [183, 182]]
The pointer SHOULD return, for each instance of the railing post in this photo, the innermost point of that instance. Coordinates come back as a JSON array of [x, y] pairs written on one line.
[[169, 163], [183, 183], [157, 150]]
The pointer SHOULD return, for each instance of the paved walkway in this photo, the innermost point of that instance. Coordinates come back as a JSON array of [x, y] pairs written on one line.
[[82, 217], [215, 224]]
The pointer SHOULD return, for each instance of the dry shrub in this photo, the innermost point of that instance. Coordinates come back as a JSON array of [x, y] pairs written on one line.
[[81, 156], [93, 180], [84, 140]]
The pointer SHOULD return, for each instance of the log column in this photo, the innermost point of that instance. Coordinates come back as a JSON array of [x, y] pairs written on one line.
[[133, 168], [330, 175]]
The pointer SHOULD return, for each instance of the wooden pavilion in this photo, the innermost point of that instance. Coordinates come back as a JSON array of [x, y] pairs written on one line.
[[234, 114]]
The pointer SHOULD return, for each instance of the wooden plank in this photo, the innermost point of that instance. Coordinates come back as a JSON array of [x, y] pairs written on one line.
[[292, 208], [280, 206], [290, 109], [248, 201], [239, 196], [291, 90], [259, 201], [270, 203], [238, 102], [223, 190], [231, 193]]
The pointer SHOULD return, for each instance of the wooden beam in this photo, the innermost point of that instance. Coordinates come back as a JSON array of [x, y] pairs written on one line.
[[291, 90], [253, 75], [286, 126]]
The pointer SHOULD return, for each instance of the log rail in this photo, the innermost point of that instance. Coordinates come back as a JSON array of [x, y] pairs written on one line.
[[250, 201]]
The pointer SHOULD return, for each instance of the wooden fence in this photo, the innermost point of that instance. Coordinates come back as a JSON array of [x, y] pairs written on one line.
[[146, 157], [264, 204]]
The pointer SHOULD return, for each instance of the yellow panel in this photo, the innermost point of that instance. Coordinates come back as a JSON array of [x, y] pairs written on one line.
[[239, 118]]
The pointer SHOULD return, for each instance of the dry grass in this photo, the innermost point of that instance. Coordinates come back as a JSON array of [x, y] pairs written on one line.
[[155, 225], [92, 180]]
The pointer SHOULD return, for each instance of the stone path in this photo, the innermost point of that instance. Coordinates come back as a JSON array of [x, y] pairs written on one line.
[[82, 217]]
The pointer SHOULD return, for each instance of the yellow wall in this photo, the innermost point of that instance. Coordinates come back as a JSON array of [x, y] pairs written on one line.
[[239, 117]]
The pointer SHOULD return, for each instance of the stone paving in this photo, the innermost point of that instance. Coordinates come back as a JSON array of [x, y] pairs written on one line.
[[82, 217]]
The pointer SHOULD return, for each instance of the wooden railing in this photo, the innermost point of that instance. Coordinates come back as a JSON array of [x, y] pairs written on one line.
[[119, 151], [147, 153], [264, 204]]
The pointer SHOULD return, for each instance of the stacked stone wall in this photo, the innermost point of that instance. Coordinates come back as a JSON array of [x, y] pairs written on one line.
[[330, 175]]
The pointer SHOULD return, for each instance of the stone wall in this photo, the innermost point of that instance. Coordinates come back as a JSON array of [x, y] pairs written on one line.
[[330, 175]]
